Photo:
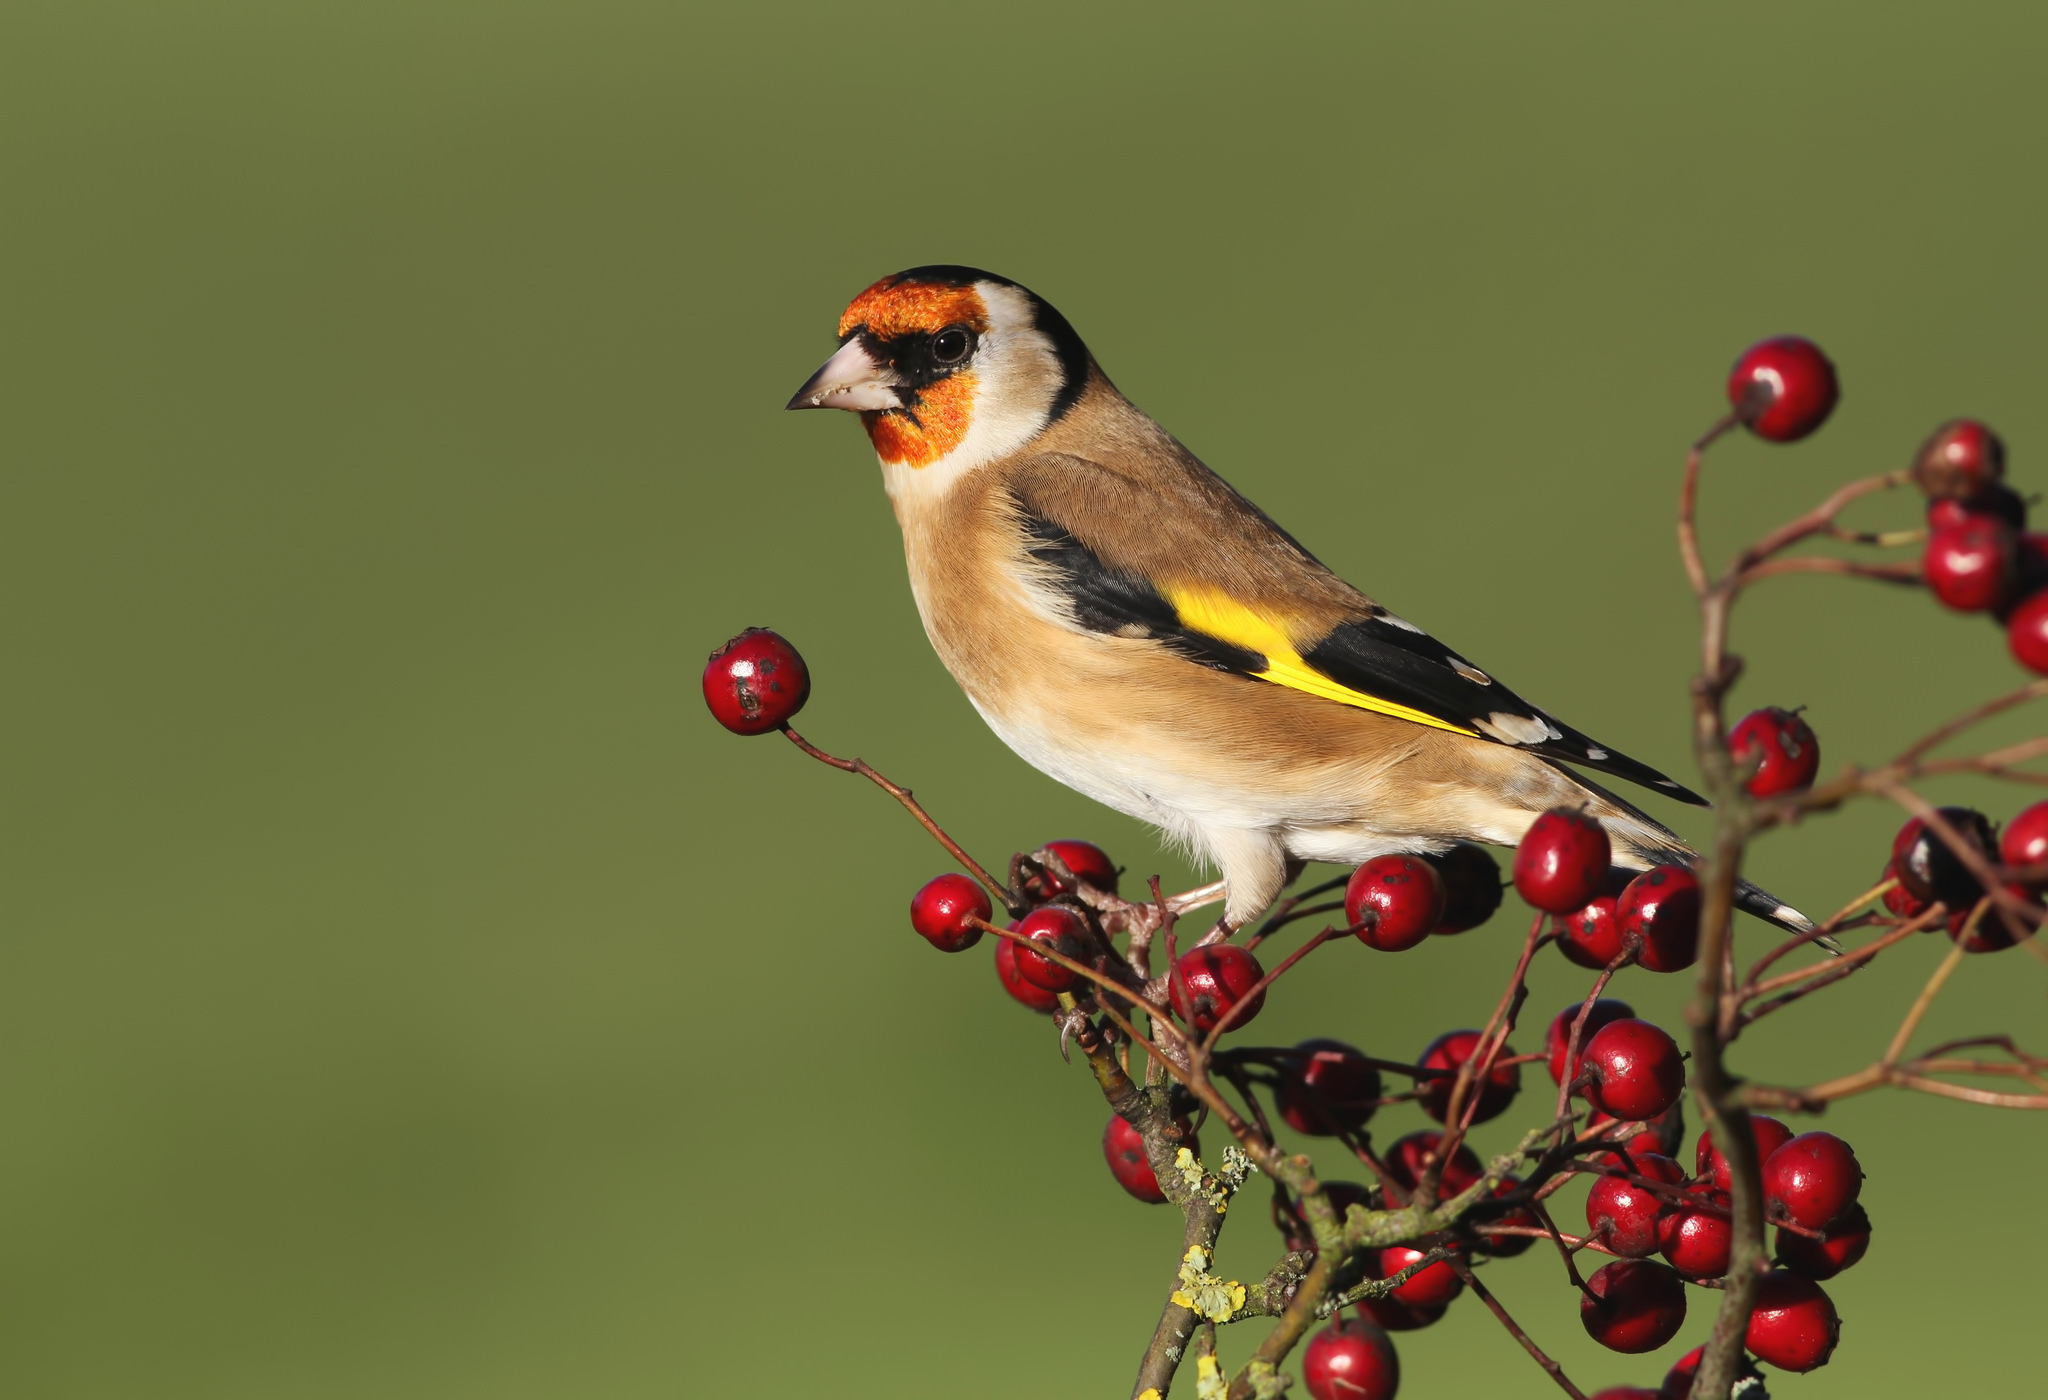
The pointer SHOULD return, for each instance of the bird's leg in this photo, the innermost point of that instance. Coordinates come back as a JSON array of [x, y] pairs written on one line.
[[1197, 897], [1224, 928]]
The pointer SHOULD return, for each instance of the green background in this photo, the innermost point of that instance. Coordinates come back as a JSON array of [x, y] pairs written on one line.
[[409, 992]]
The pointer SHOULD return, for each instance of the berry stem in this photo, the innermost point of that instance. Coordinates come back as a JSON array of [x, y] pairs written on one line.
[[1485, 1295]]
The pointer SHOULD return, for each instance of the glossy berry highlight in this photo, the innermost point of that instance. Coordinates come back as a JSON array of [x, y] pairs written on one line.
[[1208, 983], [1659, 914], [1562, 861], [942, 910], [1812, 1180], [1394, 901], [1841, 1246], [1493, 1093], [1557, 1038], [1635, 1069], [1636, 1306], [1783, 388], [1783, 747], [1057, 929], [2026, 634], [1696, 1238], [1351, 1359], [1961, 461], [756, 682], [1623, 1214], [1432, 1286], [1089, 863], [1970, 565], [1589, 937], [1028, 994], [1767, 1132], [1793, 1325]]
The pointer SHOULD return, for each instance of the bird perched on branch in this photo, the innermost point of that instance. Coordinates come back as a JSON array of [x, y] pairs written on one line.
[[1135, 628]]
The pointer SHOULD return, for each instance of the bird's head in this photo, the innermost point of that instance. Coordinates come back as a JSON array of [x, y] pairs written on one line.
[[950, 364]]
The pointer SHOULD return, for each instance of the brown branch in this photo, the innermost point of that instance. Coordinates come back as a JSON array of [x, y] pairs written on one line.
[[1550, 1367]]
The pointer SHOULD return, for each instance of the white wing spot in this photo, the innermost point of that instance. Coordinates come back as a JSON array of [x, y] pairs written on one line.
[[1515, 729], [1469, 671], [1403, 623], [1595, 754]]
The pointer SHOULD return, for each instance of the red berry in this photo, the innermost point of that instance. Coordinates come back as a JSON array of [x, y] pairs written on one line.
[[1660, 913], [1088, 862], [1927, 866], [1790, 755], [1395, 901], [1636, 1070], [2025, 841], [1678, 1380], [1123, 1147], [1562, 861], [1962, 460], [1398, 1317], [1328, 1088], [1062, 931], [1769, 1133], [1793, 1325], [1969, 566], [1623, 1214], [2027, 634], [1450, 1051], [1635, 1306], [1472, 887], [1508, 1246], [1991, 934], [1811, 1180], [1697, 1239], [755, 682], [940, 911], [1589, 937], [1559, 1034], [1627, 1392], [1783, 388], [1841, 1245], [1035, 997], [1431, 1287], [1994, 503], [1209, 982], [1410, 1155], [1351, 1360]]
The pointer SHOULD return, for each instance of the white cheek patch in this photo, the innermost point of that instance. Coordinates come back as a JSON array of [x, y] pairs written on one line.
[[1516, 729]]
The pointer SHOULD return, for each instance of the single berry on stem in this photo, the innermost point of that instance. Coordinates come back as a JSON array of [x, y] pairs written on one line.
[[1562, 861], [1660, 914], [1394, 901], [1927, 866], [1472, 887], [1812, 1180], [1622, 1214], [1351, 1359], [1327, 1088], [1970, 566], [1697, 1239], [1410, 1155], [1636, 1070], [1029, 993], [2027, 633], [1208, 982], [1961, 461], [1450, 1051], [1590, 937], [941, 910], [1431, 1287], [1793, 1324], [1782, 745], [1123, 1147], [2025, 841], [1634, 1306], [1060, 930], [1557, 1038], [1769, 1134], [756, 682], [1783, 388], [1841, 1245], [1089, 863]]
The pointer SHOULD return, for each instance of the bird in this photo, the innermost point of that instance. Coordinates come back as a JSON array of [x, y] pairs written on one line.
[[1133, 627]]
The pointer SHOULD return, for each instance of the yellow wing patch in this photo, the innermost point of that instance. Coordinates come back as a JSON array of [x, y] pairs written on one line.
[[1226, 619]]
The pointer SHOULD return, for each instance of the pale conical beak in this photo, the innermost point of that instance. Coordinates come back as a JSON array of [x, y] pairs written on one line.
[[851, 379]]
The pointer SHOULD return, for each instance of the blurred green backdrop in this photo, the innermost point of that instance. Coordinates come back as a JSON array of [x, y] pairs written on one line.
[[409, 992]]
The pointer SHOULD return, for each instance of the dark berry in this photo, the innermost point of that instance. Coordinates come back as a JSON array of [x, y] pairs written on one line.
[[941, 910], [1502, 1246], [1769, 1133], [1970, 566], [2026, 634], [1812, 1180], [1590, 937], [1927, 866], [1993, 503], [1961, 460], [1123, 1147], [1031, 995], [1394, 901], [1635, 1068], [1060, 930], [1678, 1380], [1660, 916], [1622, 1214], [1635, 1306], [1328, 1088], [1783, 746], [1351, 1359], [1085, 859], [1991, 935], [1398, 1317], [1697, 1239], [1209, 982], [1472, 887], [1409, 1157], [1627, 1392], [1793, 1325], [756, 682], [1840, 1246], [1562, 861], [1450, 1051], [1783, 388], [2025, 841], [1431, 1287], [1557, 1038]]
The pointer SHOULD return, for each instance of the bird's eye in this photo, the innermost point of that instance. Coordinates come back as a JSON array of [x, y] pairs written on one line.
[[951, 345]]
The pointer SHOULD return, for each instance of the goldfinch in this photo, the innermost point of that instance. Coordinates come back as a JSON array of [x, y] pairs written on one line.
[[1139, 631]]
